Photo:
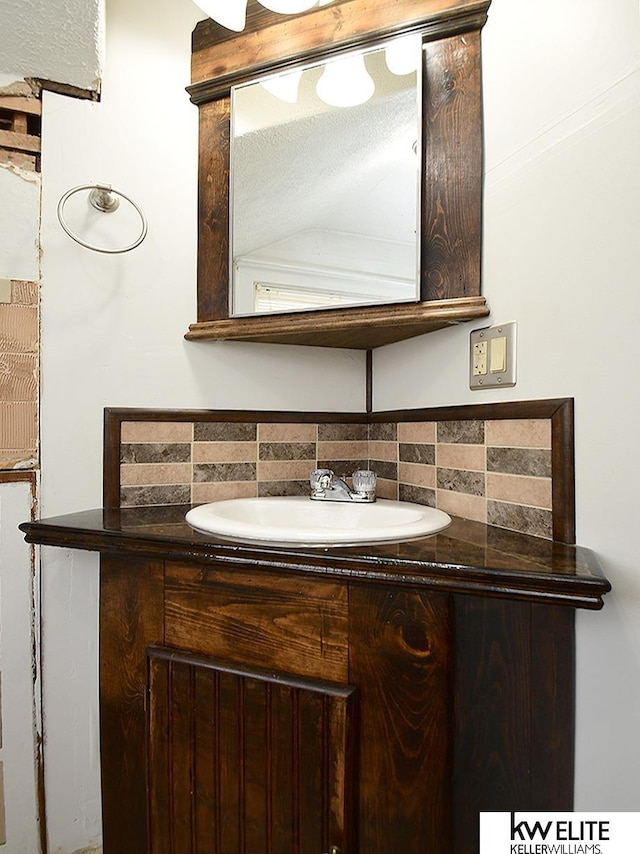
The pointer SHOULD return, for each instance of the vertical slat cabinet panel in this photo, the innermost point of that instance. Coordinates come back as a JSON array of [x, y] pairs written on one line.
[[284, 776], [244, 761], [158, 759], [206, 779]]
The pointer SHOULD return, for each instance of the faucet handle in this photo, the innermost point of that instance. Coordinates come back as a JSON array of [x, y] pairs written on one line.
[[364, 480], [320, 479]]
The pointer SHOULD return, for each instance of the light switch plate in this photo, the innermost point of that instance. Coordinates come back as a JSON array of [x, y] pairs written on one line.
[[497, 367]]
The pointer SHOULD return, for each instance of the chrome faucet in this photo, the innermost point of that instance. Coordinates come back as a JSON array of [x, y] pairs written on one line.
[[327, 486]]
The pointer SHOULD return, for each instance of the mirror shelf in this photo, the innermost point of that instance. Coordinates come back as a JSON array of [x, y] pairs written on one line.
[[450, 208], [364, 328]]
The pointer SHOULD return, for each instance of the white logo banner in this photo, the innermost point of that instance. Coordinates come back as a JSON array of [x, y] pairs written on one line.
[[559, 833]]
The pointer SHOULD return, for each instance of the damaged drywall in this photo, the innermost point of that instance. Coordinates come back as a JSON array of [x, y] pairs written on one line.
[[60, 42]]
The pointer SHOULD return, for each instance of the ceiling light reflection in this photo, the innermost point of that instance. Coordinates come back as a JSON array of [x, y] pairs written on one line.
[[403, 55], [345, 82], [284, 86]]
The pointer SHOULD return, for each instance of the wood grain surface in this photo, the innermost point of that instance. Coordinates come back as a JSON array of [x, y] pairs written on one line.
[[243, 761], [291, 624]]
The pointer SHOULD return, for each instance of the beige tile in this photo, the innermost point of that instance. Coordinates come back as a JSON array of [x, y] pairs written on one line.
[[417, 474], [343, 450], [156, 431], [18, 425], [387, 489], [155, 473], [530, 491], [519, 433], [272, 432], [225, 452], [417, 431], [24, 293], [383, 451], [18, 458], [202, 493], [18, 376], [18, 328], [471, 507], [284, 470], [466, 457]]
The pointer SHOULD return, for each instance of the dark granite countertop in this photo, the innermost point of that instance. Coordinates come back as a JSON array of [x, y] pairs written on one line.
[[468, 557]]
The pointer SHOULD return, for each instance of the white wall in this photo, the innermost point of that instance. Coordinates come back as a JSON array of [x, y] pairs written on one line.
[[18, 628], [562, 113], [61, 42], [562, 116], [112, 335]]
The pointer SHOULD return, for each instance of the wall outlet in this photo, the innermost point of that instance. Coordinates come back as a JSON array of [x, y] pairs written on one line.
[[492, 356], [479, 356]]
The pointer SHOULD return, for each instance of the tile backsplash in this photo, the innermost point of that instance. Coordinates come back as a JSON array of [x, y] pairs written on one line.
[[493, 471]]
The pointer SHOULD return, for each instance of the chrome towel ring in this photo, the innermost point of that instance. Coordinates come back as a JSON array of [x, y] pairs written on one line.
[[103, 198]]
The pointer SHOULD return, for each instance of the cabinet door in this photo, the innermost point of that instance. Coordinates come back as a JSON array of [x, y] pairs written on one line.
[[399, 658], [246, 761]]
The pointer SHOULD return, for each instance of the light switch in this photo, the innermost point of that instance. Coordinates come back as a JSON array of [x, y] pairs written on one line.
[[498, 355], [492, 356]]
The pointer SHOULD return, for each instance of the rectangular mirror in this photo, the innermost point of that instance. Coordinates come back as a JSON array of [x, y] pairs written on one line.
[[325, 183], [245, 223]]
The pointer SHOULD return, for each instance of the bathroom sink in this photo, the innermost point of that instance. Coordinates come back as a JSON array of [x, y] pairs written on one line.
[[297, 520]]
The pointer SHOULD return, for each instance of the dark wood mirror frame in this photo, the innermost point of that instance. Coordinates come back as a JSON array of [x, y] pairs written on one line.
[[452, 157]]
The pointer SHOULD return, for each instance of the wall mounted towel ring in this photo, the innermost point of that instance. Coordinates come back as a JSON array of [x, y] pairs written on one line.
[[103, 198]]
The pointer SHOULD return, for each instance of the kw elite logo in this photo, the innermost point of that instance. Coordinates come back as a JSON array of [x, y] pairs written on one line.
[[559, 833]]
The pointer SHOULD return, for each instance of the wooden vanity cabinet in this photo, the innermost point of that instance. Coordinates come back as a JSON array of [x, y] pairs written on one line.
[[247, 709]]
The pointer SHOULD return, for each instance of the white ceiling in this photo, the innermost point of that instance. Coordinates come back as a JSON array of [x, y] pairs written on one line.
[[349, 170]]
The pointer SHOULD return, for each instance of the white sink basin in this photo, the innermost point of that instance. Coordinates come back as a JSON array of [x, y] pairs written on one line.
[[293, 520]]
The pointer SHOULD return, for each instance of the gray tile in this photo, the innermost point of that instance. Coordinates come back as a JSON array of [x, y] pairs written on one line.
[[287, 451], [216, 472], [147, 496], [461, 432], [534, 462], [224, 431], [526, 520], [456, 480], [343, 467], [383, 432], [410, 452], [417, 494], [342, 432], [283, 487], [384, 469], [156, 452]]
